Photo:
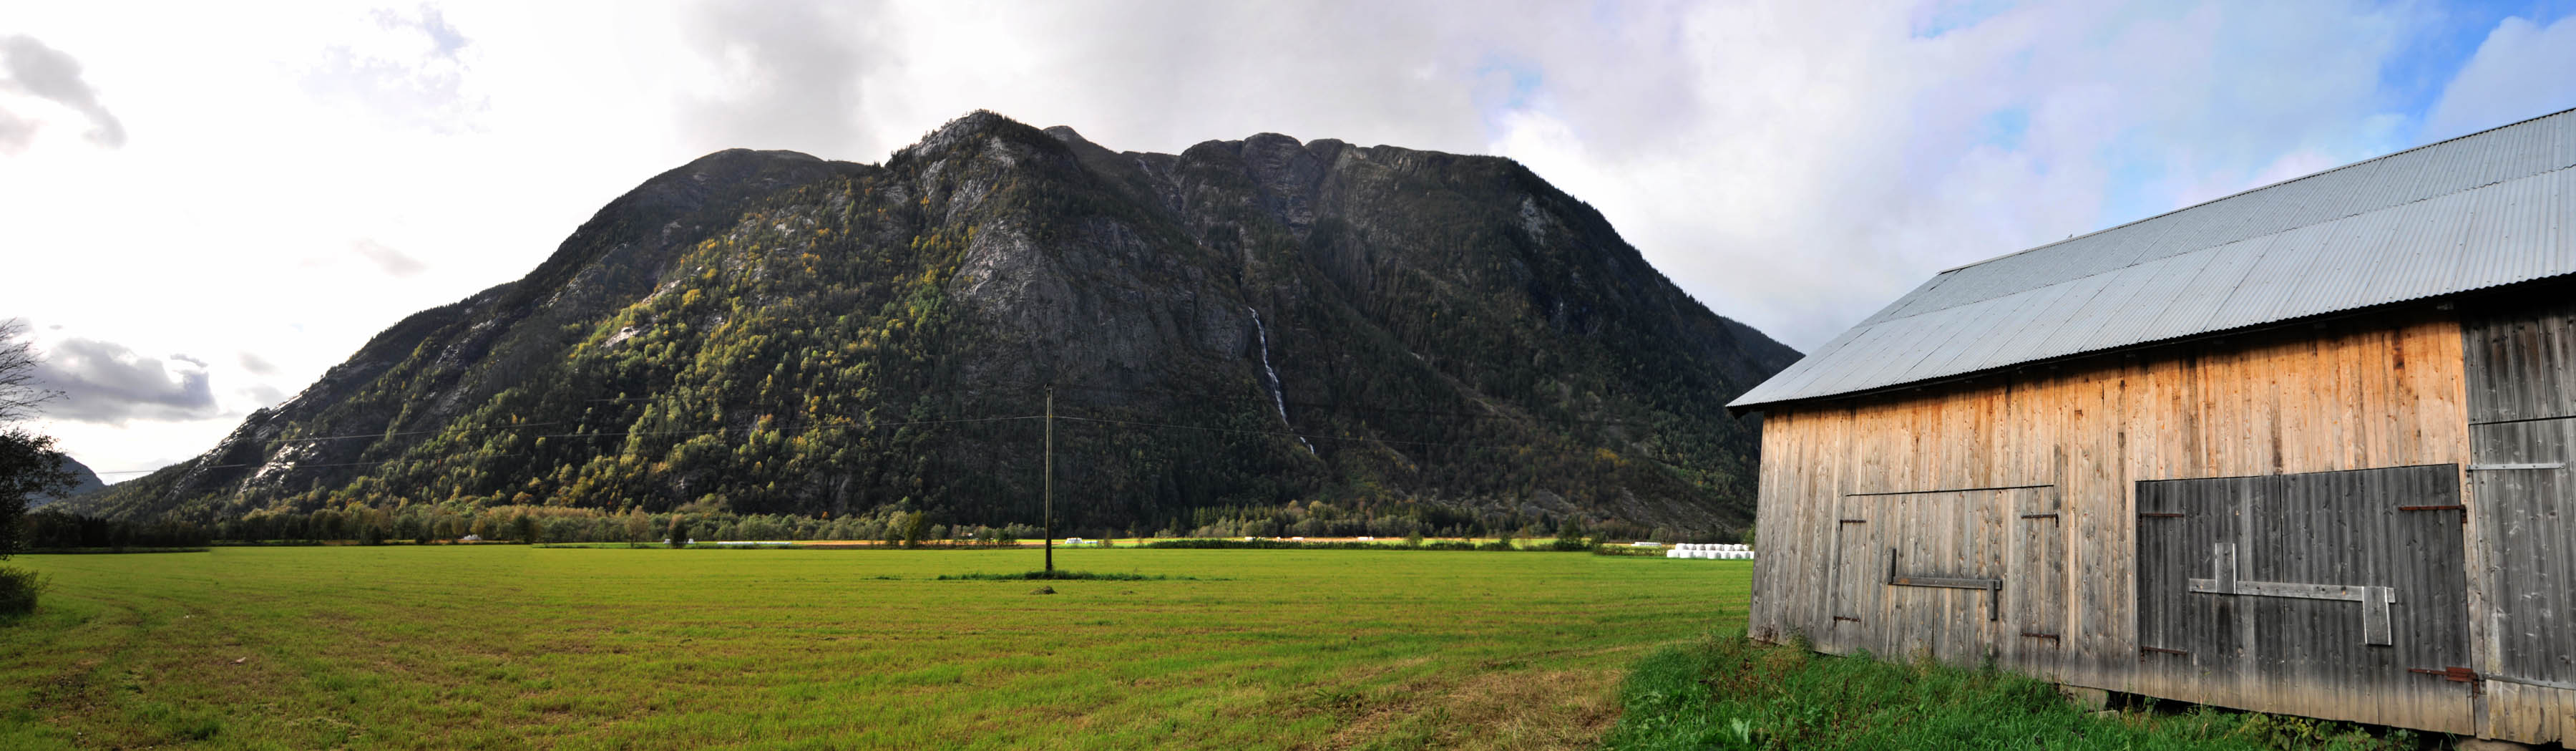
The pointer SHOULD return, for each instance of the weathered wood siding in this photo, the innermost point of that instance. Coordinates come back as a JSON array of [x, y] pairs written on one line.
[[2522, 414], [2075, 440]]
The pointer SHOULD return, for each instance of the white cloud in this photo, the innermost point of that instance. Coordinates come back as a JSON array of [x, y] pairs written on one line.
[[2522, 71], [105, 382], [409, 68], [31, 69], [1810, 168], [788, 74], [393, 261]]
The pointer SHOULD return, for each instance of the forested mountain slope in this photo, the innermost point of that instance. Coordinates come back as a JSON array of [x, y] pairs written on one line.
[[83, 481], [1363, 333]]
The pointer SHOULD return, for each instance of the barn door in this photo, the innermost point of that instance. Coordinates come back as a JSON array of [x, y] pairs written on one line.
[[1856, 575], [2329, 594], [1967, 575], [2035, 584], [2520, 358], [2523, 486]]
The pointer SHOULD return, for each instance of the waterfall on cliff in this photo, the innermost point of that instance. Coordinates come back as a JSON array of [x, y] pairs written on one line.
[[1277, 399]]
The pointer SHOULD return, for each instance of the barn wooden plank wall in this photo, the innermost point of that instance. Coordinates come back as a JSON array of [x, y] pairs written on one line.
[[2074, 440], [2522, 414]]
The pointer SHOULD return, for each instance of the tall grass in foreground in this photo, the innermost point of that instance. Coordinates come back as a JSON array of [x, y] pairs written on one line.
[[1733, 693]]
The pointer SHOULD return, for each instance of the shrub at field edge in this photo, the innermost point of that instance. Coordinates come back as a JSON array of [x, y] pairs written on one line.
[[18, 591]]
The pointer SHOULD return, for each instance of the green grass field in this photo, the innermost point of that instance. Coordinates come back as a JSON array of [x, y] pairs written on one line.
[[1726, 692], [510, 647]]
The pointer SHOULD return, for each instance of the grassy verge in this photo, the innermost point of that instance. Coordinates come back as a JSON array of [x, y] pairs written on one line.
[[1733, 693]]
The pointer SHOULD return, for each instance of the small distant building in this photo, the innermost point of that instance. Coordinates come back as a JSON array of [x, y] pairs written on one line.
[[2303, 449]]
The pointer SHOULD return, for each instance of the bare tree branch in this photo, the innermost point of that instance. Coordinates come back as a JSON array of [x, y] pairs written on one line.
[[21, 394]]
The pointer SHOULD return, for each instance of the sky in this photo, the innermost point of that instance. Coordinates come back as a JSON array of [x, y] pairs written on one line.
[[201, 213]]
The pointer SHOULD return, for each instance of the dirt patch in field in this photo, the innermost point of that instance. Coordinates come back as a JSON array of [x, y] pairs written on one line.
[[1546, 709]]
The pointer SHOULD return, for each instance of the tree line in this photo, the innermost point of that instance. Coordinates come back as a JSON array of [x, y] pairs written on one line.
[[56, 530]]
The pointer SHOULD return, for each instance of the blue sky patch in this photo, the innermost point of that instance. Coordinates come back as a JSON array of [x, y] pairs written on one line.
[[2004, 128], [1958, 14], [2414, 79]]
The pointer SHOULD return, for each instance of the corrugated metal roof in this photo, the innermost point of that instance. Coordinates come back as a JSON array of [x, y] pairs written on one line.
[[2481, 210]]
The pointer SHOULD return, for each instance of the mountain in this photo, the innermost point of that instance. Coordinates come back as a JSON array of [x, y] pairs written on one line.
[[1233, 332], [87, 482]]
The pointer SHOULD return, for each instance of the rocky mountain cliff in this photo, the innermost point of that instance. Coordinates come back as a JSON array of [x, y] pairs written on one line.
[[1229, 331]]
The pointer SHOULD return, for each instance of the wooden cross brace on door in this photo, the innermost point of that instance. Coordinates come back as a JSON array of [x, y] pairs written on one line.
[[2374, 600], [1994, 587]]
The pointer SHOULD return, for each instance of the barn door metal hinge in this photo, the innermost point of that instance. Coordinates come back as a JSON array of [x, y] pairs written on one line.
[[2524, 465], [2477, 683], [2144, 651]]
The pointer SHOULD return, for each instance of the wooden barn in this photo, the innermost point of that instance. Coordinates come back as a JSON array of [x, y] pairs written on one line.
[[2303, 449]]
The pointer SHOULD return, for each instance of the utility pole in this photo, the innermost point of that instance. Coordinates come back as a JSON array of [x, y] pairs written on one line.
[[1049, 482]]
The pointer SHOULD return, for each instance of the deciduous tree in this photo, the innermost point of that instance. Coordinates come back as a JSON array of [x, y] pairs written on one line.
[[28, 462]]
